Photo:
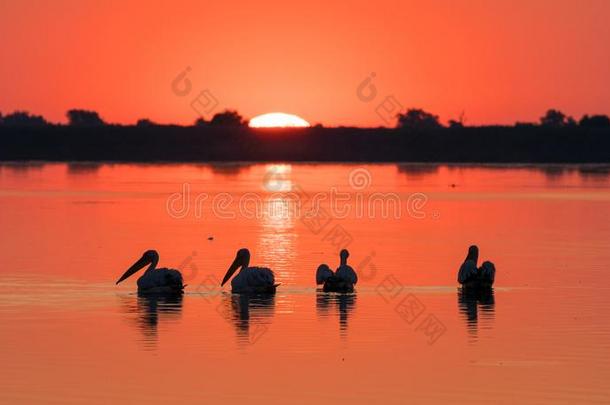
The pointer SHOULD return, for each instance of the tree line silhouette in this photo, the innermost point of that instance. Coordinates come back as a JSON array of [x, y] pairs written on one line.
[[413, 119], [87, 118], [419, 136]]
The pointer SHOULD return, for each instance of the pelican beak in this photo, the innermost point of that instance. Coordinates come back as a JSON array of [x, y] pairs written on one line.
[[134, 268], [234, 266]]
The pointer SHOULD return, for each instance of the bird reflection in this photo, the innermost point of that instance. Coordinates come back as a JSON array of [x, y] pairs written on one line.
[[477, 305], [344, 303], [151, 310], [250, 314]]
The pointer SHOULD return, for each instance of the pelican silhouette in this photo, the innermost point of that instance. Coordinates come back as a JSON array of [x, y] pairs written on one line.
[[342, 280], [154, 280], [257, 280], [471, 276]]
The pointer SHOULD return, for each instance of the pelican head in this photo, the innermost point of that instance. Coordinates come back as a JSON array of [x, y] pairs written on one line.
[[242, 259], [344, 255], [473, 254], [323, 273], [488, 270], [489, 266], [150, 256]]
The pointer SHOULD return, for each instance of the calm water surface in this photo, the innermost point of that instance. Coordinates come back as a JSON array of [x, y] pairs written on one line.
[[69, 335]]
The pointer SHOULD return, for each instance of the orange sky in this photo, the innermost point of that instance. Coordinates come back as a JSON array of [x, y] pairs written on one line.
[[499, 61]]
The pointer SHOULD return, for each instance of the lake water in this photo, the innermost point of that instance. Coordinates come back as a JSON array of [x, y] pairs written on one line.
[[69, 335]]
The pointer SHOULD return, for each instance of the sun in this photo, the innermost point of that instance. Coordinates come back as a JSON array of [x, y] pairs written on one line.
[[278, 120]]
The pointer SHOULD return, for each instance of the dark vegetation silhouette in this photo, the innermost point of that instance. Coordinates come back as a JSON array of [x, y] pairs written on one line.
[[226, 118], [596, 121], [416, 119], [556, 119], [145, 123], [454, 124], [22, 119], [84, 118], [418, 137], [201, 122]]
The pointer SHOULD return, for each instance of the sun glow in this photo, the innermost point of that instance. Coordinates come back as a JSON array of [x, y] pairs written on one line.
[[278, 120]]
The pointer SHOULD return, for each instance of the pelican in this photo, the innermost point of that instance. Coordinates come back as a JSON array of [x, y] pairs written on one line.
[[342, 280], [471, 276], [257, 280], [154, 280]]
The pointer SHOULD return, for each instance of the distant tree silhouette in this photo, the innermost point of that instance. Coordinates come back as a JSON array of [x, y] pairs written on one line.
[[201, 122], [457, 123], [24, 119], [418, 120], [84, 118], [145, 122], [556, 119], [228, 118], [595, 121]]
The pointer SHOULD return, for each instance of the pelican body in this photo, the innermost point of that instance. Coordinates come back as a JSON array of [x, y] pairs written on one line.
[[154, 280], [249, 280], [342, 280], [471, 276]]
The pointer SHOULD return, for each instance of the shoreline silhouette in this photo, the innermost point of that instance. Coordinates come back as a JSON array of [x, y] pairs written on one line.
[[235, 144], [418, 137]]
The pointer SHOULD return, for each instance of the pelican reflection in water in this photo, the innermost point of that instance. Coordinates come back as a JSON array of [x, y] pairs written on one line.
[[152, 310], [250, 314], [344, 304], [477, 306]]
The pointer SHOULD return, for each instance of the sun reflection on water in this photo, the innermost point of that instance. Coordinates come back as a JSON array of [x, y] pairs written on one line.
[[277, 237]]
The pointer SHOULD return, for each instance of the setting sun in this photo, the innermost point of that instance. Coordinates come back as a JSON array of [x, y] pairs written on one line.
[[278, 120]]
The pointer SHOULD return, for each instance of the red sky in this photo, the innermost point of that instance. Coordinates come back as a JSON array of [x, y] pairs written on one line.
[[499, 61]]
